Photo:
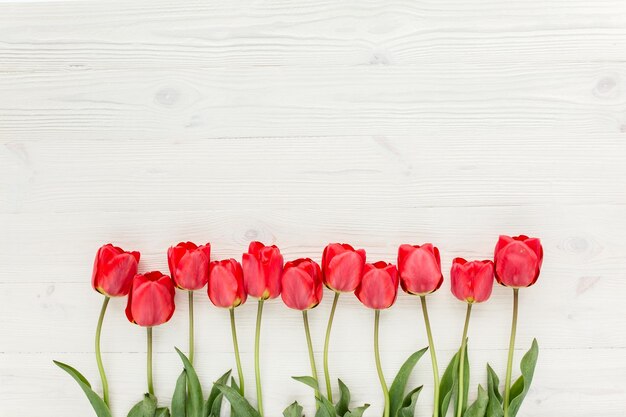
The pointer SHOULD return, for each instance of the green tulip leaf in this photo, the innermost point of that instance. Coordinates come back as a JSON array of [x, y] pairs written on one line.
[[216, 409], [407, 409], [448, 384], [241, 406], [293, 410], [342, 406], [162, 412], [209, 408], [522, 385], [194, 390], [308, 380], [179, 398], [97, 403], [396, 392], [479, 407], [357, 412], [493, 383], [234, 385], [494, 406], [322, 411], [324, 408], [144, 408]]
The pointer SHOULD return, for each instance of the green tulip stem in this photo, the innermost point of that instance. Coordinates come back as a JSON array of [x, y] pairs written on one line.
[[257, 369], [149, 361], [190, 327], [103, 377], [379, 368], [329, 390], [307, 332], [233, 330], [459, 409], [509, 365], [433, 356]]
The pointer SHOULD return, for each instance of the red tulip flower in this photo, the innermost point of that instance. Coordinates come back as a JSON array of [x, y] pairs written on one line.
[[420, 274], [151, 299], [262, 270], [518, 261], [379, 286], [342, 267], [378, 290], [189, 265], [150, 303], [262, 273], [420, 268], [226, 287], [471, 282], [302, 290], [302, 284], [113, 270]]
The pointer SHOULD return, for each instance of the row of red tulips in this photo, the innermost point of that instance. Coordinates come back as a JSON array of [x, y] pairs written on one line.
[[264, 275]]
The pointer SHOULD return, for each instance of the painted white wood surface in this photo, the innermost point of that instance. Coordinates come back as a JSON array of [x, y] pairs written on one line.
[[303, 122]]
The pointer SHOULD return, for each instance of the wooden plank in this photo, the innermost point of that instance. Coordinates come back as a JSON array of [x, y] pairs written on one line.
[[316, 173], [435, 100], [81, 36]]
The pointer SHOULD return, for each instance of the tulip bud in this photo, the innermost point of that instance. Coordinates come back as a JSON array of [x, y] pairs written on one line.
[[379, 287], [471, 281], [420, 268], [342, 267], [518, 260], [189, 265], [226, 287], [301, 287], [262, 270], [151, 299], [113, 270]]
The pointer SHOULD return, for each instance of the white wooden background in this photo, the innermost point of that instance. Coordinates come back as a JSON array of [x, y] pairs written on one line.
[[300, 122]]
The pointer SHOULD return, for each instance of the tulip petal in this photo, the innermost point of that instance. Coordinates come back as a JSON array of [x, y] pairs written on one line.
[[252, 275], [344, 272], [298, 287], [223, 287], [483, 282], [503, 240], [151, 300], [378, 289], [535, 245], [516, 265], [420, 270]]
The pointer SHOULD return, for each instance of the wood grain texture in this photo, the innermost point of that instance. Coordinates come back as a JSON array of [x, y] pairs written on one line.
[[299, 123]]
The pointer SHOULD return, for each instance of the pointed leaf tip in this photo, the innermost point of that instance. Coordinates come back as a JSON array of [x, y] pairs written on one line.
[[396, 392], [195, 398], [308, 380], [98, 404], [293, 410], [522, 384], [342, 406]]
